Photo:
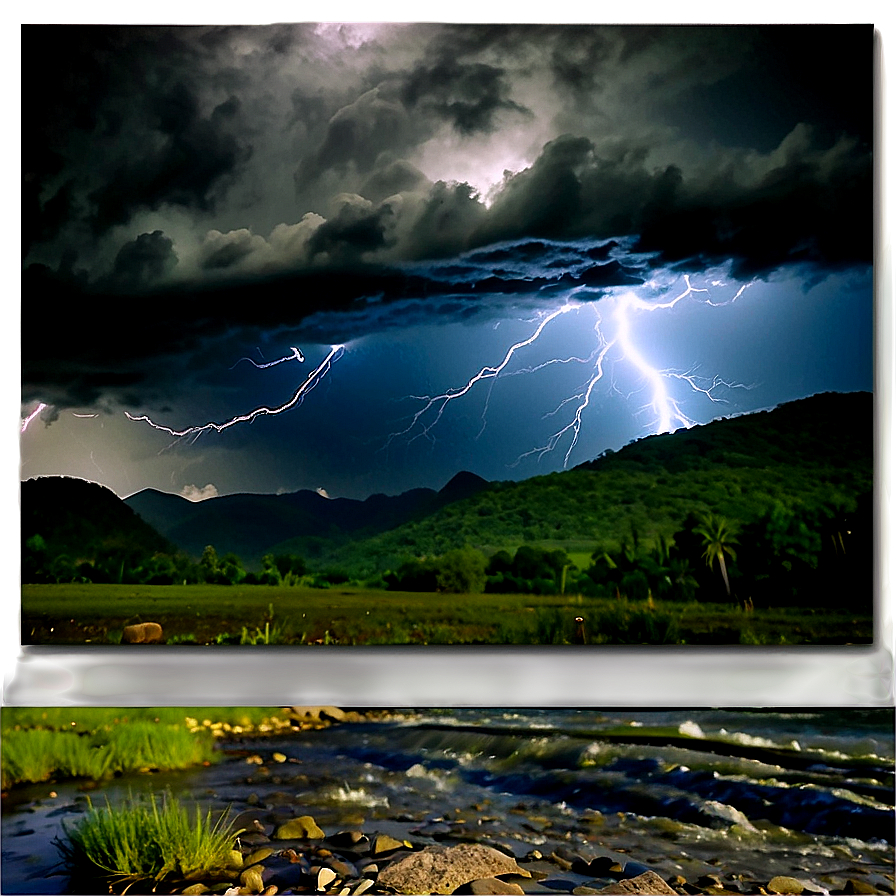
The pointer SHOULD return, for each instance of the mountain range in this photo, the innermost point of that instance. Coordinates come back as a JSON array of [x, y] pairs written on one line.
[[811, 455]]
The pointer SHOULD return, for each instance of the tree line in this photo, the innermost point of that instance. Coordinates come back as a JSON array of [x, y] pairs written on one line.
[[786, 557]]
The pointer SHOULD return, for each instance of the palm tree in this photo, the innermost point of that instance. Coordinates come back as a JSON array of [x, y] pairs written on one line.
[[718, 539]]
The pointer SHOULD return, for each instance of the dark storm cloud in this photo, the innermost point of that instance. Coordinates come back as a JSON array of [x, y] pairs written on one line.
[[190, 158], [469, 96], [219, 183], [117, 112], [144, 260]]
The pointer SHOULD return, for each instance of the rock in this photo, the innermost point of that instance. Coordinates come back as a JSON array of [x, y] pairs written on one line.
[[195, 890], [302, 828], [785, 885], [354, 840], [362, 887], [853, 886], [142, 633], [258, 856], [343, 869], [383, 843], [325, 877], [647, 884], [438, 869], [251, 879], [490, 886], [584, 891], [317, 713], [602, 866]]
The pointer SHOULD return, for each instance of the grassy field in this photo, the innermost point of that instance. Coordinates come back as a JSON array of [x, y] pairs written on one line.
[[252, 615]]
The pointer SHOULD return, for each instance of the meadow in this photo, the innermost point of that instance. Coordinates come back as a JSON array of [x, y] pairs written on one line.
[[95, 614]]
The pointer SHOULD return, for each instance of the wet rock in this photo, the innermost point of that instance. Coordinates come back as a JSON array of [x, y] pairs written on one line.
[[647, 884], [142, 633], [785, 885], [853, 886], [490, 886], [317, 714], [362, 887], [302, 828], [709, 880], [383, 844], [343, 869], [584, 891], [252, 880], [354, 840], [195, 890], [437, 869], [259, 855], [325, 876]]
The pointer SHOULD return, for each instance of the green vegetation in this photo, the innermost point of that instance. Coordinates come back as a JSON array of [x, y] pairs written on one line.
[[148, 841], [765, 511], [40, 744], [214, 614]]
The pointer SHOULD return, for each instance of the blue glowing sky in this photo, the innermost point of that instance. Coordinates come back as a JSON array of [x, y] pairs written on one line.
[[427, 196]]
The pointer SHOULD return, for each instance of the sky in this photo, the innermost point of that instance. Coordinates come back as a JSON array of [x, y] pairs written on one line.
[[360, 258]]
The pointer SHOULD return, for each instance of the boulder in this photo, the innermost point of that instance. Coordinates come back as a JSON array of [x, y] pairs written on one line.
[[439, 869], [142, 633], [647, 884], [785, 885], [317, 713], [302, 828], [491, 886]]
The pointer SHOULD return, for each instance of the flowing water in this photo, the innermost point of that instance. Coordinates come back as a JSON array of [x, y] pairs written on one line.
[[808, 794]]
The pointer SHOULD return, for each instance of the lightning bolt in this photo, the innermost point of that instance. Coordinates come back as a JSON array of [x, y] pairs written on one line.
[[32, 415], [440, 402], [296, 354], [316, 375], [666, 412]]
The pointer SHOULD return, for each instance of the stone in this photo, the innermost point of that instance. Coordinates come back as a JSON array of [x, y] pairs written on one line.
[[343, 869], [490, 886], [142, 633], [351, 839], [647, 884], [195, 890], [383, 843], [853, 886], [438, 869], [259, 855], [317, 713], [251, 879], [785, 885], [362, 887], [302, 828], [325, 877]]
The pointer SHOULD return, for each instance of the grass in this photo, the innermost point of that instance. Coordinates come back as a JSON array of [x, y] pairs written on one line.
[[40, 744], [216, 614], [148, 840]]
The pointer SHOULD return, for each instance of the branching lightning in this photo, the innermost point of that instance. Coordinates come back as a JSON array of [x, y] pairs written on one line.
[[296, 355], [32, 415], [440, 402], [316, 375], [666, 412]]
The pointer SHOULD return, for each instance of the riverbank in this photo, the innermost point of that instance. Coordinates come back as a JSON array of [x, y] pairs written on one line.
[[710, 801]]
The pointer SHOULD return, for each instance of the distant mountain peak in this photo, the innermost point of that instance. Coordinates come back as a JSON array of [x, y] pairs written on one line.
[[464, 483]]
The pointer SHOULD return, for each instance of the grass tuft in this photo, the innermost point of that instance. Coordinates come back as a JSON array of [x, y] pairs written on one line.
[[148, 839]]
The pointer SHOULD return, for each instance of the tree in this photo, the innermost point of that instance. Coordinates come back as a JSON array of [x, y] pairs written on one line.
[[461, 571], [718, 540]]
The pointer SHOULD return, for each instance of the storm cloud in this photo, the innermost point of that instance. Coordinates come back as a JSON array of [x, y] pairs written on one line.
[[335, 181]]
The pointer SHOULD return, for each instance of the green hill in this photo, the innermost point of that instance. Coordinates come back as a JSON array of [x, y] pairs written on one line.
[[814, 455]]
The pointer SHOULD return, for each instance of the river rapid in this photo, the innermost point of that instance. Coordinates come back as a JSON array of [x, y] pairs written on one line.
[[808, 794]]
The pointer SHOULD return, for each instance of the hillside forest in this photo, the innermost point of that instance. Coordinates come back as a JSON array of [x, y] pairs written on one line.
[[769, 509]]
